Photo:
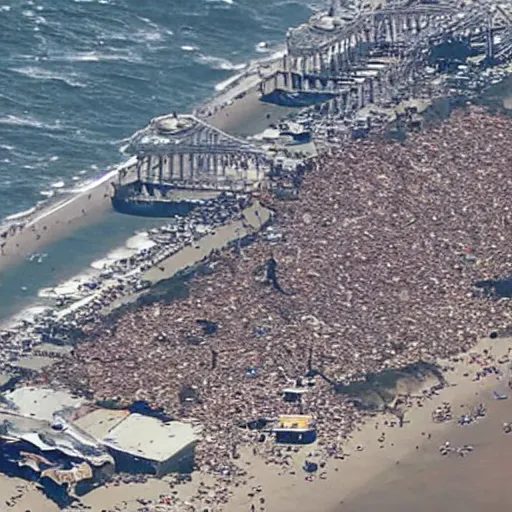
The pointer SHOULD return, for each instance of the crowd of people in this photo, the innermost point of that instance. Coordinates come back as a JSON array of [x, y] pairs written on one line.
[[393, 253], [114, 281]]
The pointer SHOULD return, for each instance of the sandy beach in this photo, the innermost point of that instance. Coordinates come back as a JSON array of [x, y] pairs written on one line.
[[405, 470], [362, 292], [242, 117]]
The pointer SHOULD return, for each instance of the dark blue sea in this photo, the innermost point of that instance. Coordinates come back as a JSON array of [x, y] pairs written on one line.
[[78, 77]]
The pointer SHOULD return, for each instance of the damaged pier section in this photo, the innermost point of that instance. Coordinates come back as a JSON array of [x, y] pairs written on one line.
[[69, 446]]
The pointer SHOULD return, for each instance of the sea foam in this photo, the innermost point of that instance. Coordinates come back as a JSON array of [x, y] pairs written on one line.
[[219, 63]]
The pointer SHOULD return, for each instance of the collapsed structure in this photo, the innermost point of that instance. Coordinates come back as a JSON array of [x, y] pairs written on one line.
[[56, 439]]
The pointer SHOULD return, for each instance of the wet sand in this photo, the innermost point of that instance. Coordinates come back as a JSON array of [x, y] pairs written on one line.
[[245, 116], [57, 221]]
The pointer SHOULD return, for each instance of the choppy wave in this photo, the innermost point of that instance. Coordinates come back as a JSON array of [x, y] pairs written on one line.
[[45, 74], [13, 120]]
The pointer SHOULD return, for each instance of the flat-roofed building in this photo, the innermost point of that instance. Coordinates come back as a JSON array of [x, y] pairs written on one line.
[[99, 422], [295, 429], [144, 444]]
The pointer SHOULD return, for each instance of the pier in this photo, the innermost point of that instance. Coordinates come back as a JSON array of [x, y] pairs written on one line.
[[338, 63], [182, 152], [347, 59]]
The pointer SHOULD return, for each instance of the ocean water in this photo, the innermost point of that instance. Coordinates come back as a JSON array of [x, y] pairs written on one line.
[[78, 77]]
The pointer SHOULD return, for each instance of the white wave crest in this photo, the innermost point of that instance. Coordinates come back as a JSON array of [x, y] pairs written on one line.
[[219, 63], [28, 122], [148, 35], [139, 242], [38, 73], [21, 215], [189, 48], [93, 56]]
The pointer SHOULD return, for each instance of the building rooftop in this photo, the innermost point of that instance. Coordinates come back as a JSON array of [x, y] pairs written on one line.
[[150, 438], [40, 403], [295, 423], [100, 422]]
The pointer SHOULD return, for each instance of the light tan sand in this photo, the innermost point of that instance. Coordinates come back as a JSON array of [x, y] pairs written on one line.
[[22, 496], [355, 476], [123, 496], [249, 115], [370, 478]]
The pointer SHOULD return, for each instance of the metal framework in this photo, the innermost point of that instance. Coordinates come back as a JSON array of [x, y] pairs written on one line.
[[352, 56], [186, 151]]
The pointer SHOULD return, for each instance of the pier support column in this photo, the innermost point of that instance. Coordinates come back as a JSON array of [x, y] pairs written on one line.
[[160, 169], [149, 169], [489, 40], [191, 162], [360, 96], [181, 157], [171, 167], [139, 168], [208, 163]]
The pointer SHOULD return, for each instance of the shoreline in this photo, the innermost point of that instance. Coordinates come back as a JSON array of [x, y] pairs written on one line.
[[251, 219], [229, 109], [375, 456]]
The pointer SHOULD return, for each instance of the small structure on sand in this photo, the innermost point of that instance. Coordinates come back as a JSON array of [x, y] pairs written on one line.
[[295, 429]]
